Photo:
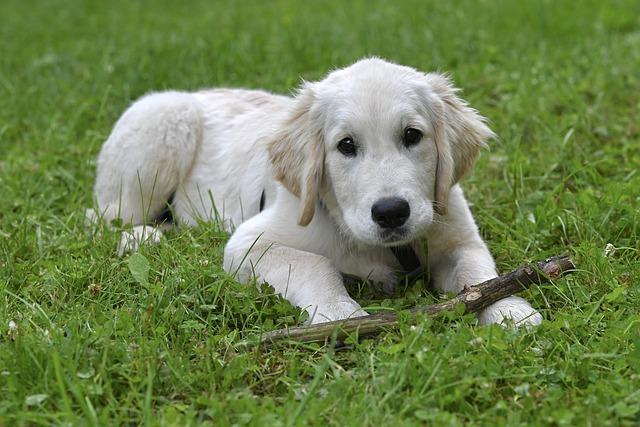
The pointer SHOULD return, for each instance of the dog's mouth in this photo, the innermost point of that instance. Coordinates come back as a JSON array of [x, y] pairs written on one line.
[[395, 236]]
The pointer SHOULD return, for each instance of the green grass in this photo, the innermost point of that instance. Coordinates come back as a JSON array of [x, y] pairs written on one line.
[[94, 346]]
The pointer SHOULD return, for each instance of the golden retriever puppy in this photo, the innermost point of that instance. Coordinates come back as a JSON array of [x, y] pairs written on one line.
[[356, 174]]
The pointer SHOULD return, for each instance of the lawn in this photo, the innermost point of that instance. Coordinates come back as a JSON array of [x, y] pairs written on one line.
[[84, 341]]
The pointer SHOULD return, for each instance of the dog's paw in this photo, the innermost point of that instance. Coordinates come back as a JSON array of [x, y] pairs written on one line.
[[338, 310], [130, 241], [91, 217], [512, 310]]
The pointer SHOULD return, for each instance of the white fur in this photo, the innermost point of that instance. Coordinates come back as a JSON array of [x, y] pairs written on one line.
[[217, 150], [140, 234]]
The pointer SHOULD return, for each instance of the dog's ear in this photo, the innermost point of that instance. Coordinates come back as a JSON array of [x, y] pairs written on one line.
[[459, 133], [297, 153]]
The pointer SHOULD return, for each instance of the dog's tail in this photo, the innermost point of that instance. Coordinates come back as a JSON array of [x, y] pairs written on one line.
[[149, 153]]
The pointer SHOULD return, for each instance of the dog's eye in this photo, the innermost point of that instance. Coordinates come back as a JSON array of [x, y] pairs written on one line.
[[411, 137], [347, 147]]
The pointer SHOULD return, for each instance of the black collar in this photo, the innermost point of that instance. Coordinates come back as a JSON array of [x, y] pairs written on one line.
[[407, 258], [410, 263], [263, 199]]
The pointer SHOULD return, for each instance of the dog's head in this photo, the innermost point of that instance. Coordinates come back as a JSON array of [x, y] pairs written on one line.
[[380, 145]]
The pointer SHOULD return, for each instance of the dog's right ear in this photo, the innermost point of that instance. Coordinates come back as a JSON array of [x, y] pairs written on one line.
[[297, 153]]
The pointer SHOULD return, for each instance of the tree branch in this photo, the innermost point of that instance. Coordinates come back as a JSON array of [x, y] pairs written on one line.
[[475, 298]]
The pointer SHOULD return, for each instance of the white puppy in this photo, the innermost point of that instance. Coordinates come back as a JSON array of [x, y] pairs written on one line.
[[324, 183]]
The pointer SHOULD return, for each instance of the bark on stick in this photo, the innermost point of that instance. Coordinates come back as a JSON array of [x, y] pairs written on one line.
[[475, 298]]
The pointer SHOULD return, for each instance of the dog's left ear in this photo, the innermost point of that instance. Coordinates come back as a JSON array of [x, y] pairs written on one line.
[[297, 153], [459, 133]]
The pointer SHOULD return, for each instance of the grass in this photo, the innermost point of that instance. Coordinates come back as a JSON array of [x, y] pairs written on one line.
[[85, 341]]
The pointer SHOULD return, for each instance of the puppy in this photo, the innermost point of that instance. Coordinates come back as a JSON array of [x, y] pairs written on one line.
[[343, 178]]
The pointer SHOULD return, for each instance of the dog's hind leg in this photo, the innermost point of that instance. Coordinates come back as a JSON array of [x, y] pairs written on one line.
[[148, 154]]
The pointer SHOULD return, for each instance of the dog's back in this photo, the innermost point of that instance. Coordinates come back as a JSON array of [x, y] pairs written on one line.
[[204, 151]]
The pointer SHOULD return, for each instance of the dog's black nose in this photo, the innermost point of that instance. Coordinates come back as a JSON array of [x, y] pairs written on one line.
[[391, 212]]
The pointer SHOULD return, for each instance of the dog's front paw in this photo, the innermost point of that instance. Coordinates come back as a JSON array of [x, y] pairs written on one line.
[[334, 311], [513, 310], [130, 241]]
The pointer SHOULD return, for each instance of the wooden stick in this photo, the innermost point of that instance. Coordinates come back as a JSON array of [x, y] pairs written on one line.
[[475, 298]]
